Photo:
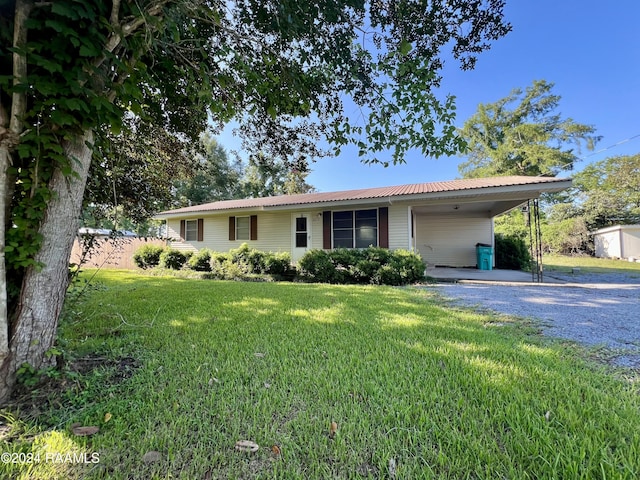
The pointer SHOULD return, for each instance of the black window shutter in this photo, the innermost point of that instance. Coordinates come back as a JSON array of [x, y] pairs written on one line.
[[232, 228], [383, 227], [326, 230], [183, 229], [254, 227], [200, 229]]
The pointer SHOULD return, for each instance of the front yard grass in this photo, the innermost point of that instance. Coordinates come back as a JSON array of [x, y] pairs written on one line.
[[329, 381]]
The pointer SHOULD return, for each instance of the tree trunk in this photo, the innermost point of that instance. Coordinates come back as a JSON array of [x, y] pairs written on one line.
[[5, 162], [33, 330], [10, 130]]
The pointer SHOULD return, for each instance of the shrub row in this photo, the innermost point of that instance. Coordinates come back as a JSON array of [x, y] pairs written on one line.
[[370, 265], [239, 262], [242, 261]]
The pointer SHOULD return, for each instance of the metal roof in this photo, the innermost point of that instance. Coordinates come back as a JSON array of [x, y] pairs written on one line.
[[393, 192]]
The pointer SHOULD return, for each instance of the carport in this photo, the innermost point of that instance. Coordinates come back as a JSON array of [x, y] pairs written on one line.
[[447, 226]]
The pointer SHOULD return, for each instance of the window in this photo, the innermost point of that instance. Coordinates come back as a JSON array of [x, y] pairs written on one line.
[[301, 232], [342, 229], [357, 229], [243, 228], [191, 230], [366, 228]]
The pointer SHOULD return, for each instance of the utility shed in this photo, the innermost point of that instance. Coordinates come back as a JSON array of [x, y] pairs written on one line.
[[621, 241]]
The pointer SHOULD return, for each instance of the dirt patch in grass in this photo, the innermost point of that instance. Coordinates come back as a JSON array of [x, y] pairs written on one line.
[[122, 368], [31, 402]]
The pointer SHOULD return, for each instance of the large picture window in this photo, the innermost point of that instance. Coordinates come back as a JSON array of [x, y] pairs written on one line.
[[355, 229]]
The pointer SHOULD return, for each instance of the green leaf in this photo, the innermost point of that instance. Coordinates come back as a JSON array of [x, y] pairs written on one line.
[[89, 51], [77, 104], [405, 47], [56, 25], [64, 10], [62, 118]]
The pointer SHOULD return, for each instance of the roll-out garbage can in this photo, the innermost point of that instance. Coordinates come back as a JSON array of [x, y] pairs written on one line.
[[484, 256]]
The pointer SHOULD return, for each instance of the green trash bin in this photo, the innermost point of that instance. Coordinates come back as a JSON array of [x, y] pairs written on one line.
[[484, 256]]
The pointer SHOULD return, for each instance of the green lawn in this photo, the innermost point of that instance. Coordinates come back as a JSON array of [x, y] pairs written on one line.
[[586, 264], [417, 389]]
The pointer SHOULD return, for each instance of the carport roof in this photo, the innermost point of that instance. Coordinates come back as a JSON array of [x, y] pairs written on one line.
[[473, 186]]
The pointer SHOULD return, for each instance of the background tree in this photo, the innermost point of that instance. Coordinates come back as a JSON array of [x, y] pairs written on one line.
[[566, 237], [132, 175], [266, 177], [215, 177], [609, 191], [144, 169], [513, 224], [522, 134], [72, 70]]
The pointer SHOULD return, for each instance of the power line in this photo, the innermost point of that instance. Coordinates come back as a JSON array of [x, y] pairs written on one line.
[[580, 159], [610, 147]]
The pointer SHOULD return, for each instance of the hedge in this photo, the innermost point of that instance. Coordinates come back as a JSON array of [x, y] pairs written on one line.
[[371, 265]]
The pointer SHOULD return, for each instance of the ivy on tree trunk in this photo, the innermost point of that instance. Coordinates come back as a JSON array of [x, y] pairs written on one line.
[[44, 284]]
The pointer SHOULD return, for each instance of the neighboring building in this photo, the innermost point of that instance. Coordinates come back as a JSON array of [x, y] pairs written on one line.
[[105, 232], [443, 221], [621, 241], [104, 248]]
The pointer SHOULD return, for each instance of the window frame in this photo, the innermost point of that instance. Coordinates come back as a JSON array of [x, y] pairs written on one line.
[[355, 229], [301, 240], [248, 227], [191, 234]]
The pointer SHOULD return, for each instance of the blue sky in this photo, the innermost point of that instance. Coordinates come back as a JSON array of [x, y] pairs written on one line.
[[590, 49]]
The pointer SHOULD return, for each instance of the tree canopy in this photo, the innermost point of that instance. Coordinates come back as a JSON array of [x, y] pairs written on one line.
[[143, 170], [73, 71], [215, 176], [265, 177], [523, 134], [133, 172], [609, 191]]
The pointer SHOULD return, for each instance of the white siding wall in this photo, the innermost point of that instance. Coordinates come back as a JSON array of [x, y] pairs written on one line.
[[399, 227], [274, 234], [173, 232], [441, 240], [631, 242], [451, 241], [608, 244]]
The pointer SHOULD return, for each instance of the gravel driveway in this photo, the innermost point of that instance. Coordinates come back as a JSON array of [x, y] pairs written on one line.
[[595, 310]]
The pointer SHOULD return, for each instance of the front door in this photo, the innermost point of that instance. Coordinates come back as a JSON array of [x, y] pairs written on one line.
[[300, 235]]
